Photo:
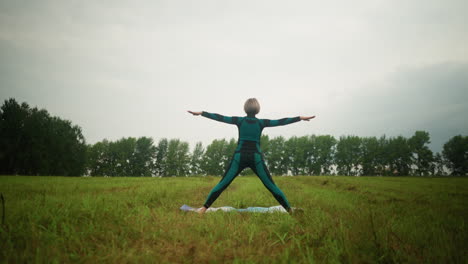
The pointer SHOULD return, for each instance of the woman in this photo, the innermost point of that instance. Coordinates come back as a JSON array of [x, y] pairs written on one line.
[[248, 153]]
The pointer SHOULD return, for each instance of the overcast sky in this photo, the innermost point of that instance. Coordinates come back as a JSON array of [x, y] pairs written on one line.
[[133, 68]]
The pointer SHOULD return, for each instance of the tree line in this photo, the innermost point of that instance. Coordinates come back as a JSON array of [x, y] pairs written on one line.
[[35, 143], [32, 142]]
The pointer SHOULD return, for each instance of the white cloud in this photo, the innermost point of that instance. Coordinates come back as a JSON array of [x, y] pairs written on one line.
[[126, 69]]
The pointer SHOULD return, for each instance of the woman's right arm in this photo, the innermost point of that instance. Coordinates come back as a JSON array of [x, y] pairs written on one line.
[[285, 121]]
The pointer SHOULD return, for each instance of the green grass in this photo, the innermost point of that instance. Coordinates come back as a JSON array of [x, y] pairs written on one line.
[[137, 220]]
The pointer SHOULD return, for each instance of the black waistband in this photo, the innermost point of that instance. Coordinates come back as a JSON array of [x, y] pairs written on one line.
[[248, 146]]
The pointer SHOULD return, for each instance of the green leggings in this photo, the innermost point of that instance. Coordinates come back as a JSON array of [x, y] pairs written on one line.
[[240, 161]]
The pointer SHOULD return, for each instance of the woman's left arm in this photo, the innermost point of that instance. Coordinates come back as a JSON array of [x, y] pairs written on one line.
[[225, 119]]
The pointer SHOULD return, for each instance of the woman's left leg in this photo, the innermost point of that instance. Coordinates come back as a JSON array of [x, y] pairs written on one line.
[[234, 168], [262, 172]]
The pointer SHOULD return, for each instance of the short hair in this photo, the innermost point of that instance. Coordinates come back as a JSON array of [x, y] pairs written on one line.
[[251, 106]]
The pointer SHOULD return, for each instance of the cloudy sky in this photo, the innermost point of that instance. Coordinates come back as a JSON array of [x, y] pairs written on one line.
[[133, 68]]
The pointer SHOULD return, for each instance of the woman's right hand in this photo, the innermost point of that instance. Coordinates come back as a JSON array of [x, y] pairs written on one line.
[[306, 118], [194, 113]]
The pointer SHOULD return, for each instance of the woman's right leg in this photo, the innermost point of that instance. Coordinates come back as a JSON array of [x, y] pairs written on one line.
[[262, 172], [232, 171]]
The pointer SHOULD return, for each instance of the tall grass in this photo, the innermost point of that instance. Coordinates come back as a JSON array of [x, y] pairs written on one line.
[[137, 220]]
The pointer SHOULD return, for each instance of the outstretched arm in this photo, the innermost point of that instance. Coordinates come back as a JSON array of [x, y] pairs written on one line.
[[225, 119], [284, 121]]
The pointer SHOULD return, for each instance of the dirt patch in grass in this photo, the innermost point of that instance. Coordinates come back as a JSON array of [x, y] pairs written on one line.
[[394, 200], [351, 188]]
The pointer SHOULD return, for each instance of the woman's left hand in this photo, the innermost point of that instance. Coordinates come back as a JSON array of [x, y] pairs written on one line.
[[194, 113], [306, 118]]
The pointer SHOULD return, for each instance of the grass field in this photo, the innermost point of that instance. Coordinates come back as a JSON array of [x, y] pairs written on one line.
[[137, 220]]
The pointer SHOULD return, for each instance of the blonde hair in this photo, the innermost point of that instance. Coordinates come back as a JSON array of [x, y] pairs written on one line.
[[251, 106]]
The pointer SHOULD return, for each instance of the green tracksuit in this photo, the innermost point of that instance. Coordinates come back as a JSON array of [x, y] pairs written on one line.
[[248, 154]]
